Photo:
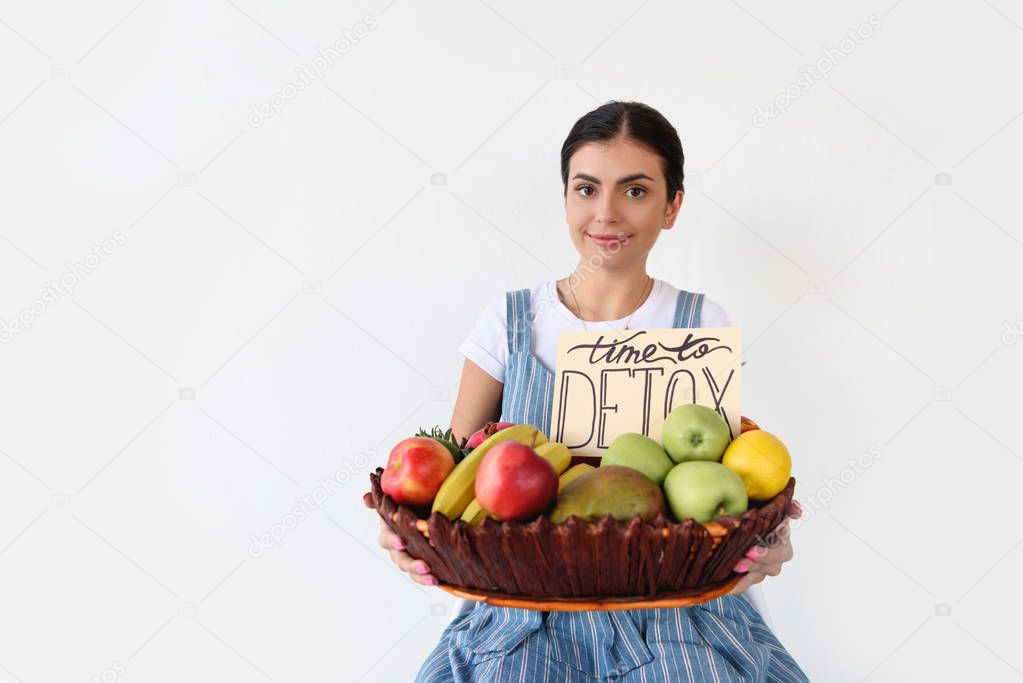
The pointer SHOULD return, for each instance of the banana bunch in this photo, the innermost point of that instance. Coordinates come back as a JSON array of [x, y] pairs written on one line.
[[459, 488], [555, 453]]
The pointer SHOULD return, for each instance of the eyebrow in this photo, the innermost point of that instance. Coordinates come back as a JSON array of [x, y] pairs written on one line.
[[621, 181]]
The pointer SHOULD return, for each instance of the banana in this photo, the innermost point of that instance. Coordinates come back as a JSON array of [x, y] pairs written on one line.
[[458, 488], [474, 513], [480, 516], [572, 474], [556, 453], [472, 510]]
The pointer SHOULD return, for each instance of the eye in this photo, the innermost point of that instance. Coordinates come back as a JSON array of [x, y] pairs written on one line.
[[640, 189], [584, 187]]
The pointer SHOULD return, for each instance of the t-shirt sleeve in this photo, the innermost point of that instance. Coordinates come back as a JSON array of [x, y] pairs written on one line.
[[487, 343], [712, 315]]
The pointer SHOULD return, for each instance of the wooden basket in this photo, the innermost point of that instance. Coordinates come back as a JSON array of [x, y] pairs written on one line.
[[579, 565]]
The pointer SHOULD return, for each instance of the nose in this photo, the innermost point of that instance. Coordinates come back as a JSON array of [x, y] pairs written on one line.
[[607, 210]]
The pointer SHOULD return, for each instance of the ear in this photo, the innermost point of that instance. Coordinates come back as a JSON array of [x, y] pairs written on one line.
[[673, 209]]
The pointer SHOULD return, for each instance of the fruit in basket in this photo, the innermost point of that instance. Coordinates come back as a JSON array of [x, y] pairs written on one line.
[[480, 516], [704, 491], [556, 453], [514, 482], [474, 512], [489, 429], [641, 453], [458, 489], [694, 432], [762, 462], [416, 470], [746, 425], [445, 438], [621, 492], [573, 473]]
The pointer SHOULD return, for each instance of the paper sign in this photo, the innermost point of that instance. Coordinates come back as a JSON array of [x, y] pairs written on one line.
[[616, 381]]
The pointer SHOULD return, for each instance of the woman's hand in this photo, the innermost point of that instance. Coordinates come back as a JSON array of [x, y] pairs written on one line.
[[390, 542], [763, 561]]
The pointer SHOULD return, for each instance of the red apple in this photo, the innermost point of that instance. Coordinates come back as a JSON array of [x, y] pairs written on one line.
[[746, 425], [416, 468], [489, 429], [514, 482]]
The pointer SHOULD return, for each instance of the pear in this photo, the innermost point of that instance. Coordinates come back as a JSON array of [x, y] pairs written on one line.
[[615, 490]]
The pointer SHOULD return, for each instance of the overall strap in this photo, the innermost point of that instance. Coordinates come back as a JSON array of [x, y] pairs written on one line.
[[520, 327], [688, 309]]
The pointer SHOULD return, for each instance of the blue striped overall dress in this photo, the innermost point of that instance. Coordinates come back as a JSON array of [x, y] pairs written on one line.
[[722, 640]]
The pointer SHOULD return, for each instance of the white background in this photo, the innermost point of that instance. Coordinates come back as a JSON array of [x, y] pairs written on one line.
[[289, 296]]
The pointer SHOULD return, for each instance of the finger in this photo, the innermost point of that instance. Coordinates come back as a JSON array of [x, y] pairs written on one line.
[[772, 561], [388, 539], [402, 559], [758, 551], [781, 533], [782, 552], [775, 535], [744, 566], [367, 499], [774, 558], [409, 564], [417, 569], [795, 510], [759, 560], [767, 568], [756, 577], [424, 579], [740, 587], [746, 582], [770, 539]]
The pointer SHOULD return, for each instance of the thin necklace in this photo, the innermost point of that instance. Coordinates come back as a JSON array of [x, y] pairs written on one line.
[[579, 310]]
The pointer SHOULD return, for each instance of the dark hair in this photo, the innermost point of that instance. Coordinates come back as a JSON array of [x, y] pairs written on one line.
[[633, 121]]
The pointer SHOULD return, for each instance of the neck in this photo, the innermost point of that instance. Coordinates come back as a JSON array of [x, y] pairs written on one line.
[[606, 293]]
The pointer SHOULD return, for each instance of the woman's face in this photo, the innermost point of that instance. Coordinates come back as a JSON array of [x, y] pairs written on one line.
[[616, 203]]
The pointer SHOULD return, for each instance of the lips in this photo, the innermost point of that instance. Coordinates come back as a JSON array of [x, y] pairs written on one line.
[[609, 240]]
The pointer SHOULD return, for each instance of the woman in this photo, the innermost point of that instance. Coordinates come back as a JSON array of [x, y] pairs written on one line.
[[621, 167]]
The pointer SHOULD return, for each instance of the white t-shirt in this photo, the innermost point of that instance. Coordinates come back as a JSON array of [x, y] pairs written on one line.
[[487, 344]]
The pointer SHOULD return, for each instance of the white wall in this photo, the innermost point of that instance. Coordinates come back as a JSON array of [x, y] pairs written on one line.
[[877, 295]]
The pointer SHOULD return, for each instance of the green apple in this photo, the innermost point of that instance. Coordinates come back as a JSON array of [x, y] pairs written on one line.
[[641, 453], [695, 432], [704, 491]]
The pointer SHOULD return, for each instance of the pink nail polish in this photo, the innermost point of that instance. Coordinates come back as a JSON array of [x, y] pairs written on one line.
[[422, 569], [431, 581], [752, 553], [742, 567], [399, 545]]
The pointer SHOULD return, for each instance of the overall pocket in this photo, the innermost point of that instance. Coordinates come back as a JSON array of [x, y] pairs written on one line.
[[495, 631], [600, 644]]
